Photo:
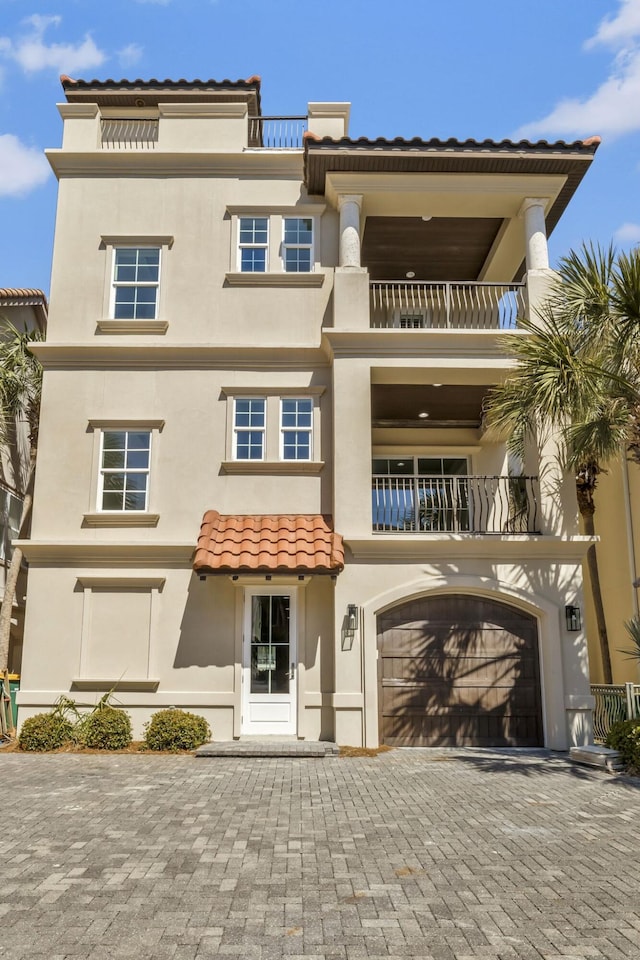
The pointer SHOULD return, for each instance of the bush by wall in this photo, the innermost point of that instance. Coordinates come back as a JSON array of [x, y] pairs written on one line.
[[45, 731], [625, 737], [176, 730], [107, 728]]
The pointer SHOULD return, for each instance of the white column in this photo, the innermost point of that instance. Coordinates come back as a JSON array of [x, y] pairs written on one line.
[[535, 234], [349, 207]]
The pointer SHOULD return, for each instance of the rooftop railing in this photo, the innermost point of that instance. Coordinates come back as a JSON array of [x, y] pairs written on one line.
[[417, 305], [129, 134], [455, 504], [277, 133]]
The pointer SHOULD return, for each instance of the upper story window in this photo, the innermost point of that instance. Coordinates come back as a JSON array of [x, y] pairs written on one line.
[[124, 470], [136, 282], [253, 236], [276, 246], [249, 421], [297, 247], [296, 428]]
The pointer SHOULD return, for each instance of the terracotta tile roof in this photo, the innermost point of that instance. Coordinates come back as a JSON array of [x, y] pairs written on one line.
[[150, 92], [271, 543], [18, 295], [26, 297]]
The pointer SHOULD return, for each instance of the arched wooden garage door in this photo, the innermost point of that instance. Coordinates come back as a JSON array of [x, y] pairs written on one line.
[[458, 671]]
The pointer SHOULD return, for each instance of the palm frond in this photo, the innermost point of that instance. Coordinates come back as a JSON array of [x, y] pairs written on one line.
[[20, 379]]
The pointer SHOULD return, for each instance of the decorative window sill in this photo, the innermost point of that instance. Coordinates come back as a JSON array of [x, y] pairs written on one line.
[[282, 467], [132, 326], [274, 279], [87, 683], [120, 519]]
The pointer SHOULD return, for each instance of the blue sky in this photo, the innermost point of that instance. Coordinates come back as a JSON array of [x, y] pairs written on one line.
[[549, 69]]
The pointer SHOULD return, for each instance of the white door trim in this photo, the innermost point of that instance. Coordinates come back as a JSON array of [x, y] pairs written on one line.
[[269, 714]]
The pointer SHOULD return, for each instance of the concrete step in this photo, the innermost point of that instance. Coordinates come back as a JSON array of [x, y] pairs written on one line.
[[598, 756], [269, 747]]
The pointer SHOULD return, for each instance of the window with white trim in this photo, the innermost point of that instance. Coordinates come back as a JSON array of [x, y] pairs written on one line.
[[296, 428], [253, 240], [297, 245], [249, 422], [124, 470], [135, 283]]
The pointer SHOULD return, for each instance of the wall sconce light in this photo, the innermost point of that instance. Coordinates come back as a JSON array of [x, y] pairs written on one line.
[[573, 618], [349, 626]]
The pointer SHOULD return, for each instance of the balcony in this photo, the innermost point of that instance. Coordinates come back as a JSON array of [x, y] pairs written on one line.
[[455, 504], [415, 305], [272, 133], [276, 133], [129, 134]]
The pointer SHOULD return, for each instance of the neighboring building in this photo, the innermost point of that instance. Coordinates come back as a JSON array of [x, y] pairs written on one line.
[[25, 310], [284, 342], [617, 523]]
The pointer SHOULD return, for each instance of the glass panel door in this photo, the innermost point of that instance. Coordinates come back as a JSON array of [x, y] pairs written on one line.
[[269, 662]]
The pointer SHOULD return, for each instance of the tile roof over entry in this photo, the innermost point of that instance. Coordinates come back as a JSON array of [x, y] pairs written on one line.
[[268, 543]]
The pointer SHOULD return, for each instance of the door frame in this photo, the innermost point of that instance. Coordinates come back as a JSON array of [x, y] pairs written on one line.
[[266, 728]]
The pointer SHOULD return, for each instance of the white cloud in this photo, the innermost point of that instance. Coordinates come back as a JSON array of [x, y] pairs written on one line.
[[22, 168], [130, 54], [32, 53], [612, 109], [628, 233], [617, 31]]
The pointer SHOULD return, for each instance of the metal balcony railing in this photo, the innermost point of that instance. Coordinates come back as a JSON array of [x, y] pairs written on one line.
[[614, 701], [277, 133], [129, 134], [415, 305], [455, 504]]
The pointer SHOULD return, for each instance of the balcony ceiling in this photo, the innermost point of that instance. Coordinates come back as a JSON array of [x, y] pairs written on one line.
[[450, 404], [443, 248]]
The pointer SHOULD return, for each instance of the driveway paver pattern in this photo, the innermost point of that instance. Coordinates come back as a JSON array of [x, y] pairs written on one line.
[[446, 855]]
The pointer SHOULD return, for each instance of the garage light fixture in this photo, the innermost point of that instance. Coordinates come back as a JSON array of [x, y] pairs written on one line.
[[349, 626], [572, 615]]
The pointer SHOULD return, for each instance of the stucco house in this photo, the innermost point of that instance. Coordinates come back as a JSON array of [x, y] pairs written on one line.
[[265, 492], [26, 310]]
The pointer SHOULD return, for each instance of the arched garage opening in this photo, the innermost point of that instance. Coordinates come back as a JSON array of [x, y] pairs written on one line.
[[458, 670]]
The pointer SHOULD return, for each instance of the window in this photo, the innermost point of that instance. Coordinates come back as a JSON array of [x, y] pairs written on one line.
[[249, 428], [296, 426], [268, 242], [297, 248], [10, 514], [136, 280], [124, 470], [254, 244]]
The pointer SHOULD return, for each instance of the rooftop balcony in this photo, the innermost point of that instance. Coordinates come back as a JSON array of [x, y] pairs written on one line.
[[264, 133]]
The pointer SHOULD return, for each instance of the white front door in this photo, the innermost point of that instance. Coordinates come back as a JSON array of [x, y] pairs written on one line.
[[269, 662]]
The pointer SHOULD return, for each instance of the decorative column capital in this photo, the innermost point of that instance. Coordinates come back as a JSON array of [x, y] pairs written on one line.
[[529, 202], [344, 198]]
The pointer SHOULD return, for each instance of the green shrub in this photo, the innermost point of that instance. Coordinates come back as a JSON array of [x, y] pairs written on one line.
[[45, 731], [176, 730], [625, 737], [107, 728]]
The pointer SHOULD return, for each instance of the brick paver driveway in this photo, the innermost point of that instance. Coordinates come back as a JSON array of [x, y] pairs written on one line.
[[410, 854]]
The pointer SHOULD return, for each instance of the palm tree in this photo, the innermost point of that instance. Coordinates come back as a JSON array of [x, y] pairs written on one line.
[[576, 379], [20, 393]]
